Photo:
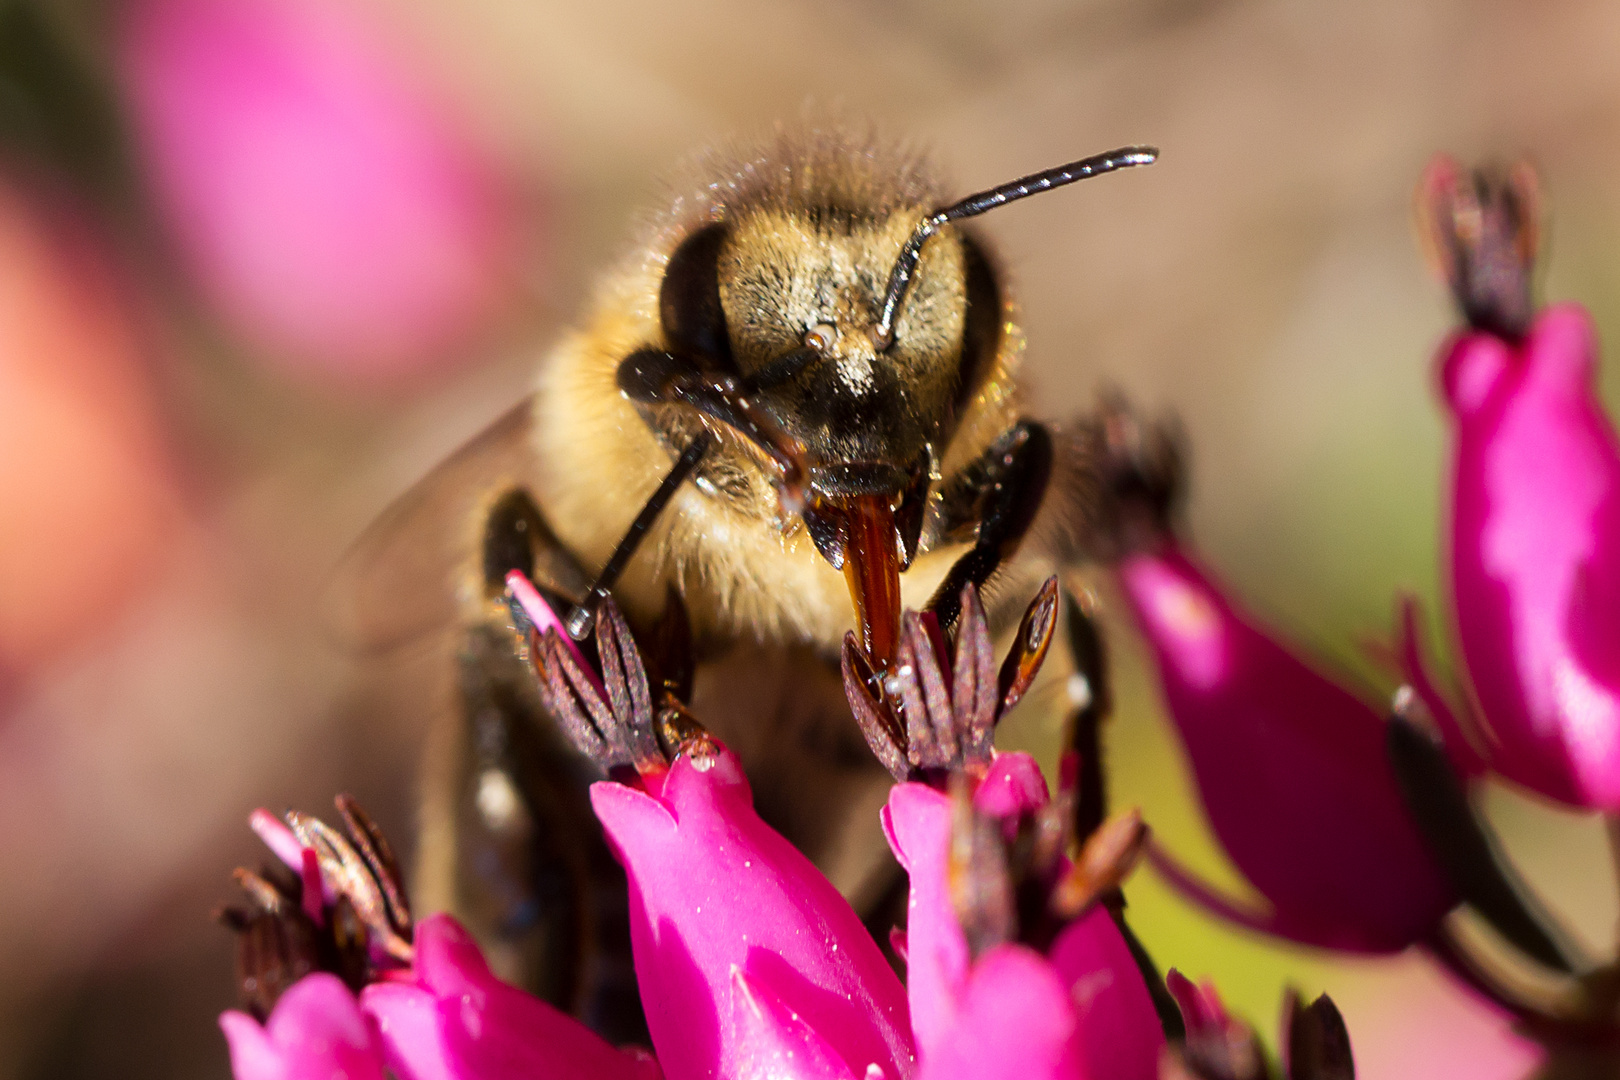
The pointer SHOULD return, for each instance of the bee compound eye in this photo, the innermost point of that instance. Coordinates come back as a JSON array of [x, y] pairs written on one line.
[[821, 336]]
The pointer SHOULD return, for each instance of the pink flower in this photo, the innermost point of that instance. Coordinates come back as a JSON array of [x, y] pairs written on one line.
[[451, 1018], [1291, 769], [1535, 554], [315, 1033], [1078, 1008], [321, 200], [1534, 530], [744, 953]]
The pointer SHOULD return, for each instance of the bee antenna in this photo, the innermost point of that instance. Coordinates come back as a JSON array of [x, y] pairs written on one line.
[[905, 265]]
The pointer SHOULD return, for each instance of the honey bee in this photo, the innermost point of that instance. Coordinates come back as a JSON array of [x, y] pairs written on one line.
[[790, 413]]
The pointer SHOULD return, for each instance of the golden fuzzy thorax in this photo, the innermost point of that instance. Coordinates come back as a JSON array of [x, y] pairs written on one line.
[[740, 571]]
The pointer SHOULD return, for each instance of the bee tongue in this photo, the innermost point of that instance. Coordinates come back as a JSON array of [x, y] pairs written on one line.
[[872, 568]]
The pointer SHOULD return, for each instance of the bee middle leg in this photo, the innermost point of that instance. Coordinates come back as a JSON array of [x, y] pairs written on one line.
[[1001, 492], [509, 843]]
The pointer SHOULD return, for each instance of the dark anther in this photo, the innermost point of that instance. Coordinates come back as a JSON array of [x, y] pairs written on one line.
[[379, 859], [936, 710], [1481, 231], [1013, 879], [609, 714], [290, 928], [273, 951], [1024, 659], [347, 873], [874, 710], [1315, 1040]]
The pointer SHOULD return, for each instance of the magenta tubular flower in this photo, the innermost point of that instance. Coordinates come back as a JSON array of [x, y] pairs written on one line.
[[744, 953], [1291, 768], [1535, 554], [1080, 1010], [451, 1018], [315, 1033], [322, 200]]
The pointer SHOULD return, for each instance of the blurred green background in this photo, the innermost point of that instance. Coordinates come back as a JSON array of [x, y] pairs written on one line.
[[161, 670]]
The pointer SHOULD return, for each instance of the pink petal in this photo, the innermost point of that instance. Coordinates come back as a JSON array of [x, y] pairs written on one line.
[[1535, 554], [279, 838], [315, 1032], [1290, 766], [544, 618], [459, 1020], [407, 1019], [1017, 1022], [1201, 1007], [714, 888], [1013, 784], [917, 822], [1240, 913], [1120, 1036], [773, 1041]]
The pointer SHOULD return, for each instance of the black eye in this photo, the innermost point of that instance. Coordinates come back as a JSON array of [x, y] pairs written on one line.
[[689, 301], [981, 324]]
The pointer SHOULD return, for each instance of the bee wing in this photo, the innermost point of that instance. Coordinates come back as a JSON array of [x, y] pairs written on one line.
[[439, 554]]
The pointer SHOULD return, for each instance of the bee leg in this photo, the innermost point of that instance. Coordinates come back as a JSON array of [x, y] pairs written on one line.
[[1094, 695], [655, 377], [1001, 491], [509, 843]]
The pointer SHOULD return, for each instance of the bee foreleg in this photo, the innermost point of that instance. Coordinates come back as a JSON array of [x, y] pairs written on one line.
[[1003, 490]]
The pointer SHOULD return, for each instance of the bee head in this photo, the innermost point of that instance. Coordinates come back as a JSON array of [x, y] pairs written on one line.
[[846, 337]]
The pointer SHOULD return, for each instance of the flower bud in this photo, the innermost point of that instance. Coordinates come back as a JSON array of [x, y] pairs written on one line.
[[315, 1033], [320, 197], [452, 1018], [1535, 554], [736, 933], [1291, 768]]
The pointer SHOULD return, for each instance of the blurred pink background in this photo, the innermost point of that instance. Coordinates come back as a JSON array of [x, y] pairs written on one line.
[[263, 262]]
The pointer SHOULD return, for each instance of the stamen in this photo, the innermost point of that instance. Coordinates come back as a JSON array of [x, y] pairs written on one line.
[[607, 714]]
